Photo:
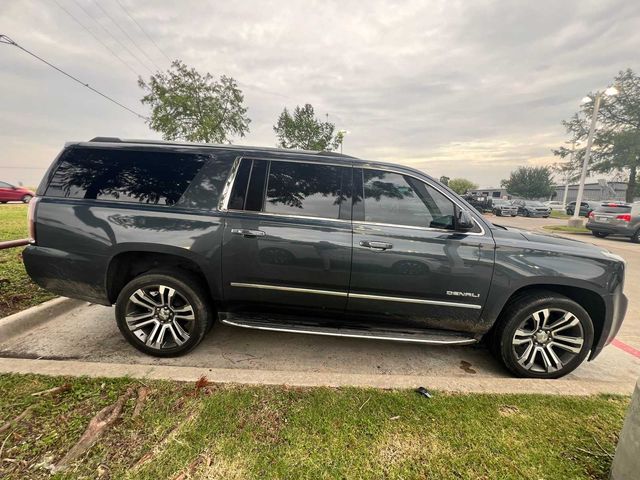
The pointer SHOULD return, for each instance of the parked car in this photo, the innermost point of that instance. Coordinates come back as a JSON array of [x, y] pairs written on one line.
[[178, 236], [554, 205], [504, 208], [586, 208], [616, 219], [11, 193], [532, 208]]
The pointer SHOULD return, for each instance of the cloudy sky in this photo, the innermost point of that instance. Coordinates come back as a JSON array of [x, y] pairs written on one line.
[[452, 87]]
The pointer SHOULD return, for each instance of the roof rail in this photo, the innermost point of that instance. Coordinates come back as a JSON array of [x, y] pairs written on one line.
[[106, 139]]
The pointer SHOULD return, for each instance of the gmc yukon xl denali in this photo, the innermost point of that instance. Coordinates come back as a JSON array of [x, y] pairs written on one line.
[[180, 235]]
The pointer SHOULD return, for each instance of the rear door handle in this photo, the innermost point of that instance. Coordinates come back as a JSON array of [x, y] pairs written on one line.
[[376, 245], [247, 233]]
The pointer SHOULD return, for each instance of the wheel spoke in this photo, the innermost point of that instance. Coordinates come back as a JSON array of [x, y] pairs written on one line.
[[554, 358], [522, 336], [141, 298], [185, 313], [568, 320], [150, 339], [179, 335], [570, 344], [529, 356], [167, 294], [542, 317], [136, 322]]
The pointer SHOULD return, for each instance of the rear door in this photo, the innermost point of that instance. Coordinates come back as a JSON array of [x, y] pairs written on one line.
[[409, 266], [7, 193], [287, 238]]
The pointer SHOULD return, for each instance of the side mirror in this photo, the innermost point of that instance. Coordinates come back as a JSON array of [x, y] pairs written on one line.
[[464, 221]]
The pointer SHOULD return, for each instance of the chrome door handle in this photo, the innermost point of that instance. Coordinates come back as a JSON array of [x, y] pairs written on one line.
[[247, 233], [376, 245]]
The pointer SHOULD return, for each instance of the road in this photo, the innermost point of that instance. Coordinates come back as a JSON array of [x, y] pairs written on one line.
[[86, 340]]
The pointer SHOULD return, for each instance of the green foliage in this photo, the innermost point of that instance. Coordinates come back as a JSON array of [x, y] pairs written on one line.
[[187, 105], [461, 185], [616, 146], [529, 182], [303, 130], [444, 180]]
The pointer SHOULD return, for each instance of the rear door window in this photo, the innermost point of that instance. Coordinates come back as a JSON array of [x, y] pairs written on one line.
[[150, 177], [613, 208], [307, 189]]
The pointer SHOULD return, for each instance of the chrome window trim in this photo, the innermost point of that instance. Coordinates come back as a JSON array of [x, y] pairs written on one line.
[[345, 335], [453, 200], [286, 215], [356, 295]]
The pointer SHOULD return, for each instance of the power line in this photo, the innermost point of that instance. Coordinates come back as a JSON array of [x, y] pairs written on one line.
[[97, 39], [5, 39], [88, 14], [126, 34], [144, 31]]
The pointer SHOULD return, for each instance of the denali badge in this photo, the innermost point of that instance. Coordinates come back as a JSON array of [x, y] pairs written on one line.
[[463, 294]]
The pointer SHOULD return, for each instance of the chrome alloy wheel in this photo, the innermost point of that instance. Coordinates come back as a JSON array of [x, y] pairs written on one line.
[[547, 340], [160, 317]]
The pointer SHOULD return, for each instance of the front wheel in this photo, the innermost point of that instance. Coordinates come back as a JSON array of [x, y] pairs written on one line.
[[27, 198], [599, 234], [164, 314], [542, 335]]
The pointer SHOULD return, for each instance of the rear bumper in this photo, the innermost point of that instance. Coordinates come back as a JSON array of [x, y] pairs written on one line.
[[67, 274], [609, 228]]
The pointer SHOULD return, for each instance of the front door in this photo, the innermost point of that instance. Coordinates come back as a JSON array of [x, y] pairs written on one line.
[[410, 267], [287, 238]]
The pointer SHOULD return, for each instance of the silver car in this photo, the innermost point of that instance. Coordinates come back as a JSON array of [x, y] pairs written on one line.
[[613, 218]]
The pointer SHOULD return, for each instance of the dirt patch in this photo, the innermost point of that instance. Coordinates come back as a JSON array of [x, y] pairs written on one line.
[[466, 366], [398, 448], [508, 410]]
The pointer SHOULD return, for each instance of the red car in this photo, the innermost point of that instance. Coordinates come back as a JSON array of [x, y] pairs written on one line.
[[9, 193]]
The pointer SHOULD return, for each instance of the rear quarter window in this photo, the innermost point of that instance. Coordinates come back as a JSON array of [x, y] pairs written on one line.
[[149, 177]]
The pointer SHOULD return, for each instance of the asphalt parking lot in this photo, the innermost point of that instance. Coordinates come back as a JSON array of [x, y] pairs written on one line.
[[87, 341]]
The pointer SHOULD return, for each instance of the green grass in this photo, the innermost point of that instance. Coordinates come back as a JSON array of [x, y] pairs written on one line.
[[566, 229], [232, 432], [559, 214], [17, 291]]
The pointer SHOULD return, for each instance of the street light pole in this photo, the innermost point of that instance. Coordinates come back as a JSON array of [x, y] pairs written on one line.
[[568, 175], [575, 220]]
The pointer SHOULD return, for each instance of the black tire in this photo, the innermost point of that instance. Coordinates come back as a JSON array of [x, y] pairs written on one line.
[[189, 288], [522, 308], [635, 238], [599, 234], [497, 213], [526, 213], [514, 215], [26, 198]]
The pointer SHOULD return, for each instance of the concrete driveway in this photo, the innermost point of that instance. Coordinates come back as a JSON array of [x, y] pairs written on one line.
[[87, 341]]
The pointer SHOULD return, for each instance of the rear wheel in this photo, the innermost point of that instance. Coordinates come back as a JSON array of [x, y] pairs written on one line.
[[599, 234], [27, 198], [163, 313], [635, 238], [542, 335]]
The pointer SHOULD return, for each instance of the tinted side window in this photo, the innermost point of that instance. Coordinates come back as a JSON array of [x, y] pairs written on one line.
[[305, 189], [124, 175], [248, 186], [402, 200]]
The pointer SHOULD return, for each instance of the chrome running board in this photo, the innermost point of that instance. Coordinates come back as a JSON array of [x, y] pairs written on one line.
[[407, 335]]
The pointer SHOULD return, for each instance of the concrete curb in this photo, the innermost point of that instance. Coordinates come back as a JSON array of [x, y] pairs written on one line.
[[460, 384], [25, 320]]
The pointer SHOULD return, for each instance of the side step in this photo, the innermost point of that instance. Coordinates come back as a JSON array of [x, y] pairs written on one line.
[[429, 337]]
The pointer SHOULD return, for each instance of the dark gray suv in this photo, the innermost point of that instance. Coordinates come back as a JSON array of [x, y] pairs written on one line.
[[178, 236]]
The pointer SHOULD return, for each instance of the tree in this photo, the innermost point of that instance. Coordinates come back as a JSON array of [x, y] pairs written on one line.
[[186, 105], [461, 185], [529, 182], [303, 130], [444, 180], [616, 146]]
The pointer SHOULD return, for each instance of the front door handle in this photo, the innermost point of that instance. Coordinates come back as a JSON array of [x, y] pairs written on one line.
[[247, 233], [376, 245]]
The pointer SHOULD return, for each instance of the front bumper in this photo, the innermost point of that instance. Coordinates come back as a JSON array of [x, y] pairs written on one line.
[[616, 308]]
